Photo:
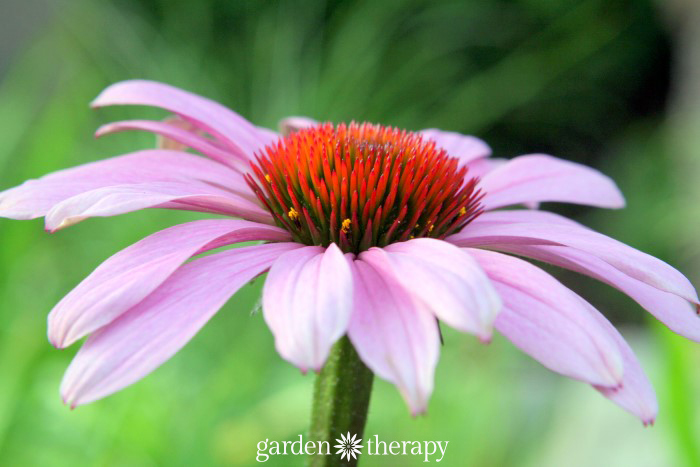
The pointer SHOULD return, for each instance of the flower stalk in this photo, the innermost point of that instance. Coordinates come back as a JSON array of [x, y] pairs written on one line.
[[341, 400]]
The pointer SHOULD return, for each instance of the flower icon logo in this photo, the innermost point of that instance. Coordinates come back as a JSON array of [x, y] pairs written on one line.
[[348, 446]]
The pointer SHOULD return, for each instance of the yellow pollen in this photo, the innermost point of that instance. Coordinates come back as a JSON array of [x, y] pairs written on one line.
[[267, 177], [293, 214], [417, 226], [430, 229], [412, 237], [462, 211], [346, 225]]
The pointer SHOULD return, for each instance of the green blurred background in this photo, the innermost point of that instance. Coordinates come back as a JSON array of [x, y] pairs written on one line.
[[613, 84]]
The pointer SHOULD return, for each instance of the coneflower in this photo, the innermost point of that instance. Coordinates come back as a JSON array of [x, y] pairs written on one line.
[[372, 236]]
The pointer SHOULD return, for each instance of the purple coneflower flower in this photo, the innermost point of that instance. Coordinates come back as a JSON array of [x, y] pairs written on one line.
[[368, 231]]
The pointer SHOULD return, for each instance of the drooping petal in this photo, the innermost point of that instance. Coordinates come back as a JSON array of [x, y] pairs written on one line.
[[445, 278], [539, 178], [395, 335], [120, 199], [34, 198], [675, 312], [147, 335], [463, 147], [239, 134], [635, 394], [551, 323], [634, 263], [130, 275], [307, 300], [184, 138]]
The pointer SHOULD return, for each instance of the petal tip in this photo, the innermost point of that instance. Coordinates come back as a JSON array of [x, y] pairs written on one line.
[[485, 338], [101, 131], [72, 404], [51, 226], [615, 199], [96, 102], [619, 204], [58, 336], [55, 337], [291, 124], [57, 344]]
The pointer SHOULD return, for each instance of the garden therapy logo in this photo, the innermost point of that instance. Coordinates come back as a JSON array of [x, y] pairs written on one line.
[[349, 446]]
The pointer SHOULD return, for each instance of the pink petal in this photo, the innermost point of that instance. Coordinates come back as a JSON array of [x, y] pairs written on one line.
[[187, 139], [551, 323], [132, 274], [307, 300], [163, 142], [147, 335], [34, 198], [518, 216], [463, 147], [395, 335], [291, 124], [445, 278], [480, 167], [626, 259], [239, 134], [636, 394], [675, 312], [120, 199], [267, 135], [484, 165], [538, 178]]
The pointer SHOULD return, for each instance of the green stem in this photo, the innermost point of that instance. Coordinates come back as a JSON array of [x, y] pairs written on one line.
[[341, 400]]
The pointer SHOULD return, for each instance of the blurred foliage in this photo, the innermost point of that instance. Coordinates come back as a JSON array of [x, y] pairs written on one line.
[[586, 80]]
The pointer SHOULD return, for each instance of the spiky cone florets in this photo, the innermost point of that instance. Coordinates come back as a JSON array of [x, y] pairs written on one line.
[[363, 185]]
